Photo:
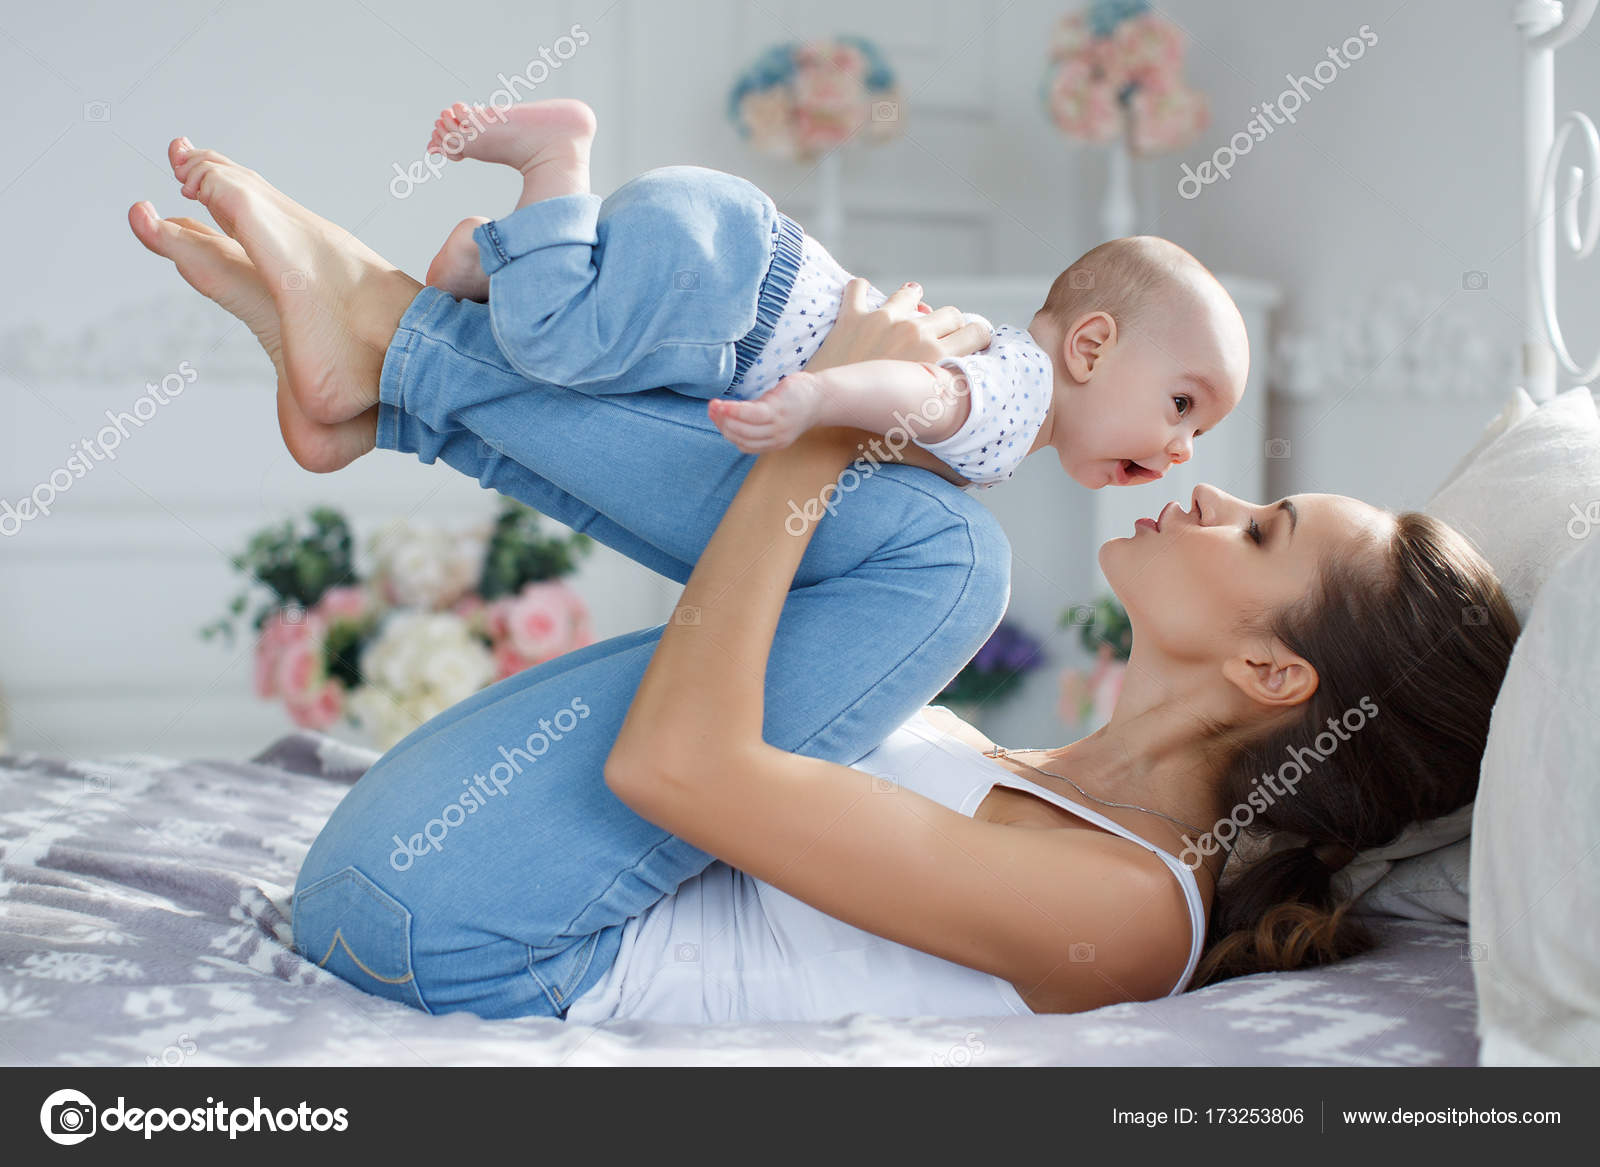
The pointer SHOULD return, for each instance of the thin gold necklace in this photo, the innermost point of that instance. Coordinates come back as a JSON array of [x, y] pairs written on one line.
[[1002, 752]]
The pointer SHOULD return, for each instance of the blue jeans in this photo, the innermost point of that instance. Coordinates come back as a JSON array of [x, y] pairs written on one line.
[[674, 280], [482, 863]]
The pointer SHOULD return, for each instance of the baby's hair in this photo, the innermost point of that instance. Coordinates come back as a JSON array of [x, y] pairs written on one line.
[[1124, 277]]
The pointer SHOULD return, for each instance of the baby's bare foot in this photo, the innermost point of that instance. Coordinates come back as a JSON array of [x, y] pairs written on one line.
[[337, 302], [547, 142], [776, 418], [457, 268], [218, 268]]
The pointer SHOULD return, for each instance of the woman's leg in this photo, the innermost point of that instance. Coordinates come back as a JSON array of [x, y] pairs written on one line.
[[484, 865], [646, 473]]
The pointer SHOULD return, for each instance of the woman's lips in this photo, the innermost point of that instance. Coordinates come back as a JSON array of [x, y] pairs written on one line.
[[1155, 523]]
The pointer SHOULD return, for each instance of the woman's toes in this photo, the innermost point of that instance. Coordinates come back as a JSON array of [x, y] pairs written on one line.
[[197, 225], [208, 181], [177, 150], [187, 160], [191, 174], [151, 229]]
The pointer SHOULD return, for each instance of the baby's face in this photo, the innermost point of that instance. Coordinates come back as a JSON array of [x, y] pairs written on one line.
[[1160, 386]]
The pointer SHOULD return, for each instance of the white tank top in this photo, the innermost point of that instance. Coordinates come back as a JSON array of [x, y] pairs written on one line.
[[727, 947]]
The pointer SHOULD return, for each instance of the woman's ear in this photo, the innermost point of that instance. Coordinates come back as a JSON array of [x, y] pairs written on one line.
[[1274, 676], [1086, 342]]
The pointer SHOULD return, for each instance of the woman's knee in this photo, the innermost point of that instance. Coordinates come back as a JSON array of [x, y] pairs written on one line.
[[952, 539]]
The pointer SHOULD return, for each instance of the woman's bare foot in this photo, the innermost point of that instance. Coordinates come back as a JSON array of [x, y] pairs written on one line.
[[457, 268], [547, 142], [338, 302], [776, 418], [218, 268]]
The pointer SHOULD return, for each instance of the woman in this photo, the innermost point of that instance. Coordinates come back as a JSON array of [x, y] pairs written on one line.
[[493, 861]]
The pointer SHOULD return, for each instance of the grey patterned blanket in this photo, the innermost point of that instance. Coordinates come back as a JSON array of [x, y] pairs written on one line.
[[144, 921]]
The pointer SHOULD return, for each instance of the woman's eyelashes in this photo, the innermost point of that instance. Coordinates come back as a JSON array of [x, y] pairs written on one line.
[[1253, 532]]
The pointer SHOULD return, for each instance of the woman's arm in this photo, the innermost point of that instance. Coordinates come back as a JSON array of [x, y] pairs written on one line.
[[690, 757]]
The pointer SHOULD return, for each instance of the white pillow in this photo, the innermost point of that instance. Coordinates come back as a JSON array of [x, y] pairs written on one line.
[[1520, 492], [1519, 407], [1535, 885], [1420, 875]]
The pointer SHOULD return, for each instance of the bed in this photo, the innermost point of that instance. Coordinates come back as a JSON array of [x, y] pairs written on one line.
[[146, 922], [144, 901]]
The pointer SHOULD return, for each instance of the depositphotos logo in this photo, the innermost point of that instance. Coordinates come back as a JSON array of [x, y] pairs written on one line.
[[70, 1116]]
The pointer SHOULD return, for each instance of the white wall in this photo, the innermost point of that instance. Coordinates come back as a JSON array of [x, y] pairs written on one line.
[[1405, 169]]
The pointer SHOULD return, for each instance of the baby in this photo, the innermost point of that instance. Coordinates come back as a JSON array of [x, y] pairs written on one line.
[[693, 280]]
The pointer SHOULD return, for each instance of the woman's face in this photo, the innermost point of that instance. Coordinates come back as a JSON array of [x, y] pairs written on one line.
[[1187, 584]]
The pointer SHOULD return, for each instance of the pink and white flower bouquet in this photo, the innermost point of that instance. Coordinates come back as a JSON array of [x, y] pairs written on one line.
[[800, 101], [1116, 68], [441, 614]]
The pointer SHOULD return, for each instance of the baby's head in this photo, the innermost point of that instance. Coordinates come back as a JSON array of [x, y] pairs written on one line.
[[1149, 352]]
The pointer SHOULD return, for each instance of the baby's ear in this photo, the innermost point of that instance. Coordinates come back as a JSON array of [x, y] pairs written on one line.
[[1086, 342]]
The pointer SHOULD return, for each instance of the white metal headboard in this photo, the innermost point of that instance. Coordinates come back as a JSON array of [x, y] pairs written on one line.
[[1544, 31]]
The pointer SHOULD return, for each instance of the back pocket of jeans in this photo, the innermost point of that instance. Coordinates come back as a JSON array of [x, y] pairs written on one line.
[[350, 926]]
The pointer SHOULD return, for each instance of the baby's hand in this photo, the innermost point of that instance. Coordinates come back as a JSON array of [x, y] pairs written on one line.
[[773, 420]]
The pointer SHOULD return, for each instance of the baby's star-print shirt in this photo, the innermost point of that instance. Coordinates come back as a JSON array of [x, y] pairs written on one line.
[[1010, 381]]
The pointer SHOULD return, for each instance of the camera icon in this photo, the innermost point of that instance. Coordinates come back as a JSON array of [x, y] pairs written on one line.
[[885, 111], [97, 783], [1080, 280], [960, 1055], [292, 614], [686, 615], [685, 280], [68, 1117], [1081, 614], [175, 1054], [1584, 521], [294, 281], [1081, 952], [1474, 281], [1474, 615], [882, 785], [1473, 953], [97, 111], [686, 952], [1277, 447]]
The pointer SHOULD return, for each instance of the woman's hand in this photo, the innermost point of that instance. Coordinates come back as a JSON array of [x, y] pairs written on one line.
[[901, 329]]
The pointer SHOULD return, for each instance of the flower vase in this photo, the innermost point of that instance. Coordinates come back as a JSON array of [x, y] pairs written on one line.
[[1119, 212]]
